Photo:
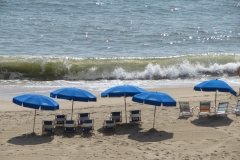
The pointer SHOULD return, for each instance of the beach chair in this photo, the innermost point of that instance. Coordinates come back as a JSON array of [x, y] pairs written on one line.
[[116, 116], [185, 108], [222, 108], [48, 126], [109, 125], [69, 125], [135, 117], [237, 109], [88, 125], [59, 120], [204, 108], [82, 117]]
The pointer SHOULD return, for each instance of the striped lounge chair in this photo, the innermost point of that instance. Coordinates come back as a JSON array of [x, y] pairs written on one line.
[[204, 108], [185, 108], [222, 109]]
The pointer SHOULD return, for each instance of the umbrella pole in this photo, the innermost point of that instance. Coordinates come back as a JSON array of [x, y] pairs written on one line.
[[154, 116], [34, 121], [125, 107], [215, 101], [72, 110]]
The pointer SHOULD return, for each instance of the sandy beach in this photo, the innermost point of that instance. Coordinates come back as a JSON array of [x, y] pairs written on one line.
[[174, 137]]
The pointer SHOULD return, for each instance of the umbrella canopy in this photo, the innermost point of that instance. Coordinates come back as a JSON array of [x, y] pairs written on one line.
[[73, 94], [36, 101], [123, 91], [214, 86], [156, 99]]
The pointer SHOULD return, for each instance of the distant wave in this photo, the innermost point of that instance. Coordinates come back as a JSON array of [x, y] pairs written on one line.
[[132, 68]]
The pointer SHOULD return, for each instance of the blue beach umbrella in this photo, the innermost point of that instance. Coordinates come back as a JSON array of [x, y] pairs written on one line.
[[73, 94], [156, 99], [214, 86], [36, 101], [123, 91]]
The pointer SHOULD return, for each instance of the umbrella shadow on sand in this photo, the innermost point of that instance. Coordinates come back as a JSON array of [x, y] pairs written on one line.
[[127, 128], [30, 139], [151, 135], [212, 121]]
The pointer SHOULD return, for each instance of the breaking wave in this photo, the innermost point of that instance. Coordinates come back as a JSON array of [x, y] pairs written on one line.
[[131, 68]]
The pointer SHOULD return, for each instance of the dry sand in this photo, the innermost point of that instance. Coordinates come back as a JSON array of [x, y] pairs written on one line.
[[173, 137]]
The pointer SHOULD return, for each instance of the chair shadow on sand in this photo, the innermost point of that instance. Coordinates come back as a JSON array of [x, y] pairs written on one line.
[[122, 129], [151, 135], [183, 117], [30, 139], [106, 133], [212, 121]]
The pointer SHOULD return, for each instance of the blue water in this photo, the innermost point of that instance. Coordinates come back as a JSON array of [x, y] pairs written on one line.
[[119, 28], [115, 42]]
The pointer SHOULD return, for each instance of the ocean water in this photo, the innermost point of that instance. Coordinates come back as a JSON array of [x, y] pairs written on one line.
[[94, 45]]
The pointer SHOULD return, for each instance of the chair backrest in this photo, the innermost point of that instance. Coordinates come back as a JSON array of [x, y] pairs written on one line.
[[223, 106], [205, 106], [116, 113], [117, 116], [135, 112], [88, 124], [135, 115], [60, 119], [109, 123], [48, 124], [69, 123], [82, 117], [184, 106], [61, 116], [84, 114]]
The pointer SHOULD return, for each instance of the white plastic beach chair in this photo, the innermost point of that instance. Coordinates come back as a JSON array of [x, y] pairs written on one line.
[[237, 109]]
